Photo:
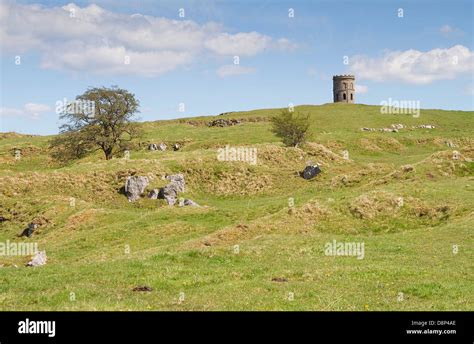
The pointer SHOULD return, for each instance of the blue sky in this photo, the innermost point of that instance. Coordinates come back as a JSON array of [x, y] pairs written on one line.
[[424, 55]]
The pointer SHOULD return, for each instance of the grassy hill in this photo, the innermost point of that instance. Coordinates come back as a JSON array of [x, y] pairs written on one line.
[[103, 246]]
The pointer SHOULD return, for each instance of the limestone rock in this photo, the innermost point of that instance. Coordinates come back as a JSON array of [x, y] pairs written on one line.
[[153, 194], [222, 122], [191, 203], [135, 186], [39, 259], [426, 126], [397, 126], [177, 179], [169, 193]]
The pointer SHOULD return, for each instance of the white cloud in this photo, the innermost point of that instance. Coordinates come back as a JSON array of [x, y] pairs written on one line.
[[29, 110], [241, 44], [449, 31], [93, 39], [446, 29], [415, 67], [233, 70], [361, 89]]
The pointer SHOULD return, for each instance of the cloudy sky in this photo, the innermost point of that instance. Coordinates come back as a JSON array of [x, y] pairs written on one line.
[[186, 58]]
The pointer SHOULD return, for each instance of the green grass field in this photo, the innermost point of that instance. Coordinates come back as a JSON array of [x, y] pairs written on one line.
[[246, 248]]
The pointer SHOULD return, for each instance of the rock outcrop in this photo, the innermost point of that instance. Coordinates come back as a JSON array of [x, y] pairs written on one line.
[[222, 122], [170, 191], [177, 179], [153, 194], [310, 171], [134, 187]]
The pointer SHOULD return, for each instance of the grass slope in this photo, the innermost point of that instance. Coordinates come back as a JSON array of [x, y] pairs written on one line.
[[104, 246]]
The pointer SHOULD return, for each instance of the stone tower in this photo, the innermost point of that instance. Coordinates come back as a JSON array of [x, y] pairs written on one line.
[[343, 88]]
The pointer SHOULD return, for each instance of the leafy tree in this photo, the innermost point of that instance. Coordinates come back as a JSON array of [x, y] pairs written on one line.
[[292, 128], [99, 119]]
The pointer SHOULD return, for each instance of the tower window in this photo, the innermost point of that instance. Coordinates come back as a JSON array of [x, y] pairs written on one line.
[[345, 85], [352, 98], [344, 96]]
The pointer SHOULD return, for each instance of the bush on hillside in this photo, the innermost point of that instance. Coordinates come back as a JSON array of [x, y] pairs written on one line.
[[291, 127]]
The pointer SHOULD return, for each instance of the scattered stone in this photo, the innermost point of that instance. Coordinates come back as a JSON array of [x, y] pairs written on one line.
[[169, 193], [456, 155], [28, 231], [222, 122], [142, 288], [426, 126], [191, 203], [39, 259], [407, 168], [345, 154], [400, 202], [389, 130], [279, 279], [162, 147], [450, 144], [176, 147], [177, 179], [397, 126], [153, 194], [153, 147], [3, 219], [310, 171], [367, 129], [135, 186]]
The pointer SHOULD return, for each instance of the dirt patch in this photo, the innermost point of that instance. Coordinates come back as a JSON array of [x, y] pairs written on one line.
[[322, 153], [311, 210], [385, 204], [370, 172], [368, 145], [235, 180], [272, 155], [378, 144], [373, 204], [79, 219]]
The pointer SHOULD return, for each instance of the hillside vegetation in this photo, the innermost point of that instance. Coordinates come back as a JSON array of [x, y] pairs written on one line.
[[246, 248]]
